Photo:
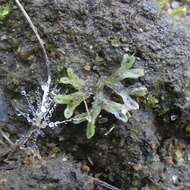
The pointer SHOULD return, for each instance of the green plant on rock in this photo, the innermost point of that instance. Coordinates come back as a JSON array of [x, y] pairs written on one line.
[[101, 98]]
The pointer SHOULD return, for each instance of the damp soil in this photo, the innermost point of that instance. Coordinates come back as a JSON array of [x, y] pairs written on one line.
[[152, 150]]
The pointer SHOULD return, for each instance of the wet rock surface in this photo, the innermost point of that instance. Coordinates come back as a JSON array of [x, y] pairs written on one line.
[[152, 150]]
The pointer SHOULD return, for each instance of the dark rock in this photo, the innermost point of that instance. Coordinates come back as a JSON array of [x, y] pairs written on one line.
[[132, 156], [54, 174]]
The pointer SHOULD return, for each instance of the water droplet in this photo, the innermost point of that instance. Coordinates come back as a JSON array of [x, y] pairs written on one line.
[[51, 125], [64, 159], [23, 93], [173, 117]]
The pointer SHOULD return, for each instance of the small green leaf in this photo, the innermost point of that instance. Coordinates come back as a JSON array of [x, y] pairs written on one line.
[[63, 99], [72, 101], [126, 64], [68, 112], [94, 112], [138, 91], [127, 61], [73, 80], [67, 99], [128, 101], [65, 80], [119, 89], [70, 109], [90, 130], [72, 106], [123, 73], [78, 83], [118, 110], [80, 118], [132, 74]]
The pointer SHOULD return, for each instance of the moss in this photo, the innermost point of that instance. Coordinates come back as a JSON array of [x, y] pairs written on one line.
[[25, 52], [99, 60], [50, 47], [163, 110], [164, 3], [187, 129], [13, 44], [115, 41], [178, 11], [124, 39], [116, 26], [135, 183], [60, 70], [152, 101], [5, 11], [184, 127]]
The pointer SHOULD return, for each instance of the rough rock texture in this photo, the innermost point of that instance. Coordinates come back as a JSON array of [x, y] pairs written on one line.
[[3, 109], [52, 174], [152, 150]]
